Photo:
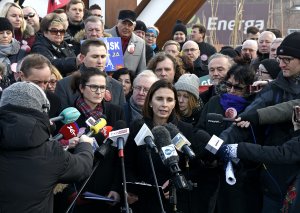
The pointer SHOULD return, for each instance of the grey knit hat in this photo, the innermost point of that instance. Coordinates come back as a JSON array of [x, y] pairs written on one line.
[[27, 95], [189, 83]]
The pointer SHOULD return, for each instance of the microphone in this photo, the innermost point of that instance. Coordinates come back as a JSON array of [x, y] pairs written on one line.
[[106, 130], [67, 132], [229, 174], [180, 142], [119, 136], [97, 127], [217, 118], [145, 136], [104, 148], [169, 155], [68, 115]]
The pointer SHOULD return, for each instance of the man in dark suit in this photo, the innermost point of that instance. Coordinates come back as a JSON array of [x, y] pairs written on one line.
[[133, 46], [93, 53]]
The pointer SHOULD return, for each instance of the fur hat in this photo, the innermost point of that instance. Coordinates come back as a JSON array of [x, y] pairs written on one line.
[[290, 46], [140, 25], [5, 25], [179, 26], [272, 66], [189, 83], [25, 94], [128, 15]]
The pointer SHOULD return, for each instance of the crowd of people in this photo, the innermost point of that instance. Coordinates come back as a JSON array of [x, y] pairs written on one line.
[[52, 63]]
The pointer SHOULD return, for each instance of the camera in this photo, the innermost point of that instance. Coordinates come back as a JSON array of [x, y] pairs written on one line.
[[297, 113], [253, 89]]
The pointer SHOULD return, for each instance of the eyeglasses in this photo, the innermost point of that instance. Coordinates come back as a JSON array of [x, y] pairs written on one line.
[[52, 82], [30, 15], [141, 89], [95, 88], [235, 87], [56, 31], [190, 50], [150, 36], [260, 72], [285, 60]]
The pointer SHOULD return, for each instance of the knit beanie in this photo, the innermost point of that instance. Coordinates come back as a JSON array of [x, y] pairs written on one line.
[[179, 26], [140, 25], [5, 25], [272, 66], [189, 83], [290, 46], [25, 94]]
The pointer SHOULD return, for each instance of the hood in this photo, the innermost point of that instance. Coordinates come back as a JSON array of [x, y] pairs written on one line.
[[289, 85], [22, 128]]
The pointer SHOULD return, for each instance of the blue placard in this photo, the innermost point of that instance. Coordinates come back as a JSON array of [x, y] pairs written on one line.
[[114, 58]]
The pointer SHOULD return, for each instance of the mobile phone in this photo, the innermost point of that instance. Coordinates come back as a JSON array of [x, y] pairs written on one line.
[[253, 89], [297, 114]]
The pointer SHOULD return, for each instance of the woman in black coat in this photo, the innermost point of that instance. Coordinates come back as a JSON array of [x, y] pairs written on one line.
[[106, 180], [51, 44], [161, 107]]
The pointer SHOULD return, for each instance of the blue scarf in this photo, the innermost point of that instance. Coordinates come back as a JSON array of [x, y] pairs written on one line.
[[228, 100]]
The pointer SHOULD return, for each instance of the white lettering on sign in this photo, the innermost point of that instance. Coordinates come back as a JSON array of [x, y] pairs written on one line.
[[72, 131], [214, 23], [57, 2], [113, 45]]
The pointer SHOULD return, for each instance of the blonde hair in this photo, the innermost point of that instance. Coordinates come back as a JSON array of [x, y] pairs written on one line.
[[55, 72], [5, 9]]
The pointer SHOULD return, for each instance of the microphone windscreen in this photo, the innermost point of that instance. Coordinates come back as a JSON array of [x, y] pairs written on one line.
[[173, 130], [162, 136], [106, 130], [96, 128], [69, 130], [120, 124], [214, 118], [70, 114], [202, 138]]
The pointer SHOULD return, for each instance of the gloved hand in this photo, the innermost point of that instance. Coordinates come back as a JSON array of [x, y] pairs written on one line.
[[251, 116], [227, 152]]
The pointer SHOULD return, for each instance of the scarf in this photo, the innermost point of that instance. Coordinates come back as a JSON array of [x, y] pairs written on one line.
[[87, 111], [228, 100], [8, 50], [136, 112]]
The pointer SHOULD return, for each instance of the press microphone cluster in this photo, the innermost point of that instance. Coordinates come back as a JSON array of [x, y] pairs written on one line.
[[180, 142], [119, 136], [169, 155], [67, 132], [68, 115]]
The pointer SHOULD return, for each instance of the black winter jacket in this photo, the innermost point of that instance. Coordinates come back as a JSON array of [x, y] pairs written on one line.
[[31, 165]]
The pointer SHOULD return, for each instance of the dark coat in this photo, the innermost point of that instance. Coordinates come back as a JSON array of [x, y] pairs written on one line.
[[206, 50], [138, 169], [31, 165], [67, 96], [62, 56]]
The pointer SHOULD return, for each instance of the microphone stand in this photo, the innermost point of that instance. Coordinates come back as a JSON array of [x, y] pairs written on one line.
[[84, 184], [120, 144], [148, 150]]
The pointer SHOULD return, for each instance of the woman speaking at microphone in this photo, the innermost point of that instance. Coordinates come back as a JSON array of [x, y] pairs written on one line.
[[160, 108], [91, 84]]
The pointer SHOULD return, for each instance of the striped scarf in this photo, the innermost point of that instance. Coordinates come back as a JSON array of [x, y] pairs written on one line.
[[87, 111]]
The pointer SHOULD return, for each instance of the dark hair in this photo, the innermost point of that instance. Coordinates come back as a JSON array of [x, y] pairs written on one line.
[[95, 7], [201, 28], [161, 56], [36, 61], [82, 77], [147, 110], [252, 30], [59, 11], [276, 32], [74, 2], [85, 46], [123, 71], [244, 74]]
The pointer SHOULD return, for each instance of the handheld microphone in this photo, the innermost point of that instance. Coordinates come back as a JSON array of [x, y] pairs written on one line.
[[180, 142], [119, 136], [169, 155], [145, 136], [97, 127], [217, 118], [104, 148], [67, 132], [106, 130], [229, 174], [68, 115]]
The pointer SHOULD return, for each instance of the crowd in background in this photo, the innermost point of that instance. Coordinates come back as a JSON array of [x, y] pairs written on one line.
[[256, 83]]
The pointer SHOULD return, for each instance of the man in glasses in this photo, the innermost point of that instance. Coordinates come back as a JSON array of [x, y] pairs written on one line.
[[275, 178], [32, 18], [191, 50]]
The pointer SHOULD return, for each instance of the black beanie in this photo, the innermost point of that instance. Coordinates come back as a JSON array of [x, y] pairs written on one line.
[[290, 46], [272, 66], [179, 26], [140, 25], [5, 25]]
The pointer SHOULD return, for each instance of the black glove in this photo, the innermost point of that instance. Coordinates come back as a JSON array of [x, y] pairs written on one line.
[[251, 116]]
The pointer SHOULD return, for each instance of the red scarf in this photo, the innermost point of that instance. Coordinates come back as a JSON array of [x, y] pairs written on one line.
[[87, 111]]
